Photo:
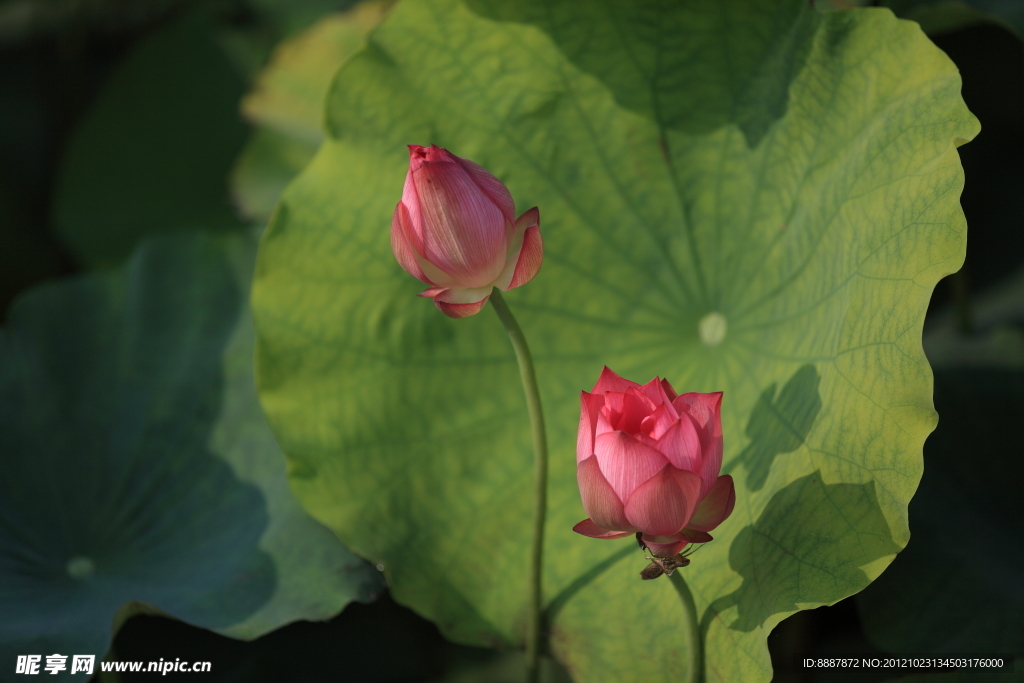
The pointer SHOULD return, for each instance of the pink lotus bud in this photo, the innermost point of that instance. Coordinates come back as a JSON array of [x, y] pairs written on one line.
[[648, 460], [455, 229]]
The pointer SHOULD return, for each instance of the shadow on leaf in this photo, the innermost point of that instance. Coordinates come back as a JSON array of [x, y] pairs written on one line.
[[765, 53], [779, 424], [807, 546]]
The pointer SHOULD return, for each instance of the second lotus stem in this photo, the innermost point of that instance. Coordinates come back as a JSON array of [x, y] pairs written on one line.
[[694, 642], [534, 627]]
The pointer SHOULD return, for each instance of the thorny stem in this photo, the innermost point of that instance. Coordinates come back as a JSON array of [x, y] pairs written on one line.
[[540, 490]]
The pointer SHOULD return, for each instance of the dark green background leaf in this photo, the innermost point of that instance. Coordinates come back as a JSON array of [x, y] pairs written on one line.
[[137, 465], [964, 519], [154, 152], [947, 15]]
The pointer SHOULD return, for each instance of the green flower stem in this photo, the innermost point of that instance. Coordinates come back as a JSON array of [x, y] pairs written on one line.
[[695, 670], [540, 482]]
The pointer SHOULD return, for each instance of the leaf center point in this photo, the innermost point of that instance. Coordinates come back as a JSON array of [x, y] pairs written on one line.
[[712, 328], [81, 567]]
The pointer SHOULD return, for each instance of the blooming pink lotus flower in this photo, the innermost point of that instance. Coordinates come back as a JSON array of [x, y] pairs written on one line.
[[456, 230], [647, 460]]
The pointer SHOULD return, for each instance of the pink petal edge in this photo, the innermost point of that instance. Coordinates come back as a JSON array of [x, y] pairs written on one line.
[[590, 406], [681, 445], [515, 251], [705, 409], [670, 545], [696, 536], [531, 255], [706, 412], [660, 421], [669, 391], [458, 295], [489, 185], [588, 528], [464, 232], [663, 504], [716, 506], [626, 463], [403, 251], [635, 407], [599, 499], [460, 310], [609, 381], [655, 391]]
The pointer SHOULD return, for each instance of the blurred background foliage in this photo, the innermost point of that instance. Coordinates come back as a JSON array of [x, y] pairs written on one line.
[[121, 120]]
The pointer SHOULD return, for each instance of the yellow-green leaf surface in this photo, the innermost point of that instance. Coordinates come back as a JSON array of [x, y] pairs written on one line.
[[287, 105], [780, 247], [289, 93]]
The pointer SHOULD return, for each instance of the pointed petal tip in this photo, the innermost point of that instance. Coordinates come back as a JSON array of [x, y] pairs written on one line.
[[531, 256], [697, 536], [588, 528], [611, 381], [717, 505], [669, 391], [680, 443], [530, 218]]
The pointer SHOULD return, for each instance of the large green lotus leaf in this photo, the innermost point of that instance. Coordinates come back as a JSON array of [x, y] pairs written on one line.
[[154, 151], [137, 466], [807, 240]]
